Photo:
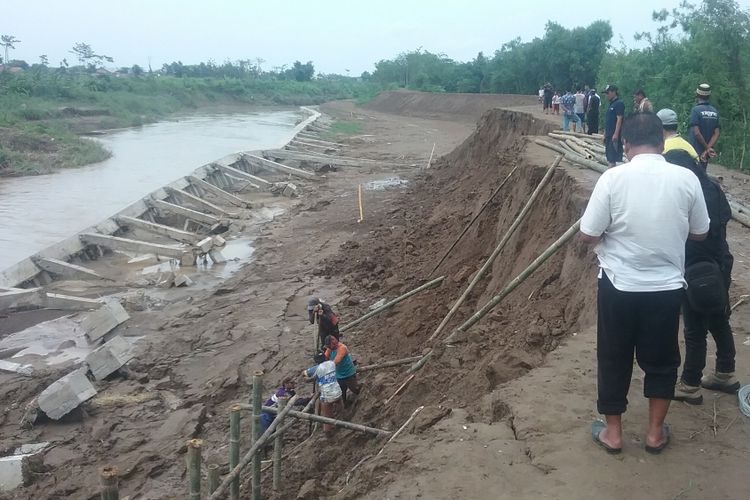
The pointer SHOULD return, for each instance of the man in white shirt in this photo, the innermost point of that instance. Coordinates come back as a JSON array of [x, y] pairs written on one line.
[[639, 215]]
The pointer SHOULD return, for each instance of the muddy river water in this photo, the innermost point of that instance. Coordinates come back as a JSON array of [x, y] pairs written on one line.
[[36, 212]]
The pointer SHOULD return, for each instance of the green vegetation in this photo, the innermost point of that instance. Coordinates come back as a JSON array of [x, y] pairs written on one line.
[[346, 128]]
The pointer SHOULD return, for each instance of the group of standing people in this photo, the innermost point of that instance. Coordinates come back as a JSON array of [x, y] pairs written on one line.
[[659, 226], [579, 107]]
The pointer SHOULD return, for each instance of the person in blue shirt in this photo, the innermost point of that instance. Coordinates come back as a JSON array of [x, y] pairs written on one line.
[[568, 102], [613, 125], [704, 125]]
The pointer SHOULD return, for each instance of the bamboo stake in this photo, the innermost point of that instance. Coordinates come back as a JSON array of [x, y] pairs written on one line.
[[256, 429], [495, 253], [361, 209], [278, 445], [306, 409], [235, 473], [392, 303], [578, 149], [401, 429], [567, 148], [740, 213], [234, 449], [326, 420], [213, 477], [473, 220], [401, 387], [194, 468], [388, 364], [549, 252], [579, 134], [573, 158], [429, 162], [108, 480]]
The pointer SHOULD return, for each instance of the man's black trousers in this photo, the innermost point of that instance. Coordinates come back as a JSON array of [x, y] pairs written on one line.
[[696, 327], [644, 323]]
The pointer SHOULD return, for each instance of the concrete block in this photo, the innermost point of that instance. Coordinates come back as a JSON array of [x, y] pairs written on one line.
[[147, 259], [182, 280], [205, 244], [108, 358], [9, 366], [290, 191], [18, 469], [217, 257], [70, 302], [15, 298], [98, 323], [187, 259], [219, 241], [66, 394]]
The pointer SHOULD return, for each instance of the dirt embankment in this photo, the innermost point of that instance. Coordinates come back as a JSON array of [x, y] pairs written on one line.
[[466, 107]]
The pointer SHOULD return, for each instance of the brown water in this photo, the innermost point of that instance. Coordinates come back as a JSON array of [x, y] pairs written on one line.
[[36, 212]]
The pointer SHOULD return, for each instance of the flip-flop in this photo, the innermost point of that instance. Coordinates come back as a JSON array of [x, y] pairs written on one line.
[[655, 450], [597, 426]]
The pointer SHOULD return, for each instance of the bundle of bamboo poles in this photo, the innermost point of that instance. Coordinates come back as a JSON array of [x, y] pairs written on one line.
[[579, 146]]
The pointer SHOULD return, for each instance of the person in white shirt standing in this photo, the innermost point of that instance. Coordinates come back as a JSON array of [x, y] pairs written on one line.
[[640, 215]]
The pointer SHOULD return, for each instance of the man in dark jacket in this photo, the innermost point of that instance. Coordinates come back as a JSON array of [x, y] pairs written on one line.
[[321, 313], [697, 323]]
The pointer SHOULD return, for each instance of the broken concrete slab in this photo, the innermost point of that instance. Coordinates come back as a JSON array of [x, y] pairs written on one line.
[[279, 167], [216, 256], [218, 192], [127, 244], [188, 213], [110, 357], [70, 302], [17, 298], [182, 280], [205, 245], [146, 259], [162, 229], [254, 179], [219, 241], [198, 201], [98, 323], [19, 469], [66, 394], [66, 269], [9, 366]]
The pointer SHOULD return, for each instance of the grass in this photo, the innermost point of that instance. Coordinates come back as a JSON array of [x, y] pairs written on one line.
[[346, 128]]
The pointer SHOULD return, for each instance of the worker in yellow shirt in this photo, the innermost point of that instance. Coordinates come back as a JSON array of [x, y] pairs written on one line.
[[672, 140]]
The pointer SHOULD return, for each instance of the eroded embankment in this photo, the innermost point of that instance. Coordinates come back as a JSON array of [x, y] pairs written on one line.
[[508, 342]]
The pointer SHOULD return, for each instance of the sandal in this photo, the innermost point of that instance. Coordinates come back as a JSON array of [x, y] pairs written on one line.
[[597, 426], [667, 432]]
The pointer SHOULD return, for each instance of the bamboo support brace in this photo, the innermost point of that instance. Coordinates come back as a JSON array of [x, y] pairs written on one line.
[[388, 364], [326, 420], [234, 448], [392, 303], [235, 473], [256, 429], [194, 468], [108, 480], [496, 252], [278, 445]]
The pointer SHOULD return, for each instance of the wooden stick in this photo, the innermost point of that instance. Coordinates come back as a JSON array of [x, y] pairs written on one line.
[[278, 445], [235, 473], [473, 220], [392, 303], [234, 449], [361, 209], [740, 213], [194, 468], [741, 300], [429, 162], [327, 420], [549, 252], [401, 388], [578, 134], [257, 429], [109, 483], [495, 253], [388, 364]]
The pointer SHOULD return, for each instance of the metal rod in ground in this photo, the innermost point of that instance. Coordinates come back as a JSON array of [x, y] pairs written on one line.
[[248, 457], [278, 445], [194, 468], [392, 303], [494, 301], [473, 220], [495, 253], [256, 429], [234, 448], [213, 478], [326, 420], [109, 483], [388, 364]]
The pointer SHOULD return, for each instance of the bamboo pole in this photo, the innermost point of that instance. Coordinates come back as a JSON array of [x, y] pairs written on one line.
[[578, 149], [235, 473], [327, 420], [401, 387], [388, 364], [573, 158], [429, 162], [392, 303], [473, 220], [579, 134], [401, 429], [213, 478], [278, 445], [361, 208], [234, 448], [108, 481], [495, 253], [194, 468], [256, 429], [306, 409], [740, 213], [549, 252]]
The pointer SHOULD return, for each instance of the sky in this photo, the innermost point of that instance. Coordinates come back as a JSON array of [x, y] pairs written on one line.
[[336, 35]]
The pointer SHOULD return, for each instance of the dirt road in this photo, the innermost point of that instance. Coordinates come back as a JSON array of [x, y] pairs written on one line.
[[506, 415]]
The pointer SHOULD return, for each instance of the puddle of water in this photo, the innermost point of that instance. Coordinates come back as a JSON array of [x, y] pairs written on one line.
[[237, 252], [386, 183]]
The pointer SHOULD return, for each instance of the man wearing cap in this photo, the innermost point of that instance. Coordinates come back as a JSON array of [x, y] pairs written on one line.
[[592, 112], [639, 216], [346, 371], [321, 313], [641, 104], [672, 141], [704, 124], [612, 126]]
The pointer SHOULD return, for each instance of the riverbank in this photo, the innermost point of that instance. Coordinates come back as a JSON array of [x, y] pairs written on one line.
[[44, 115]]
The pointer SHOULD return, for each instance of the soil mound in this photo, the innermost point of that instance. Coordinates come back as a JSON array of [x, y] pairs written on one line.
[[445, 106], [402, 251]]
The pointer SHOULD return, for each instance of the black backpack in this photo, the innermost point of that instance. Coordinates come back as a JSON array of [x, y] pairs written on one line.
[[706, 291]]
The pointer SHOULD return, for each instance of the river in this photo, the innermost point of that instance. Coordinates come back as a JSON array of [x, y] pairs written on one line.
[[37, 211]]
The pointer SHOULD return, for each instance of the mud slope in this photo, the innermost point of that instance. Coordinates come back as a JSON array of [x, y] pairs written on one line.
[[445, 106], [402, 251]]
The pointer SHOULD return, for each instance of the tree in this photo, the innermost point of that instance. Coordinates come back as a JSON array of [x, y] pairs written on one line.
[[43, 60], [87, 57], [301, 72], [136, 70], [8, 42]]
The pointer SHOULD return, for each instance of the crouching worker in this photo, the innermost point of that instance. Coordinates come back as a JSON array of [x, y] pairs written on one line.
[[324, 373], [322, 314], [346, 372], [287, 389]]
